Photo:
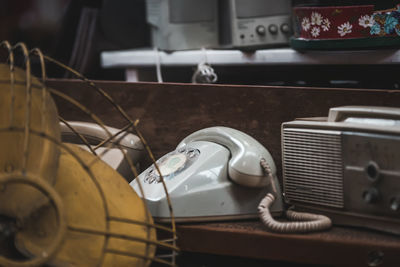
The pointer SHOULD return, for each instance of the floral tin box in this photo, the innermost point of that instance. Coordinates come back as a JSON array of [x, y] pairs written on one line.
[[339, 27]]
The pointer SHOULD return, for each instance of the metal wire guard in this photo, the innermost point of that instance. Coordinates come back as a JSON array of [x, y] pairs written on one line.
[[64, 222], [53, 196]]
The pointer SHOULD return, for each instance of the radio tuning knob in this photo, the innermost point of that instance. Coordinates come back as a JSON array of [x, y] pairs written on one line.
[[371, 195], [273, 29], [373, 171], [260, 30], [395, 204], [285, 28]]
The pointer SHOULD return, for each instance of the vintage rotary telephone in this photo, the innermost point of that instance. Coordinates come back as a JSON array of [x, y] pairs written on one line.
[[220, 173], [96, 138]]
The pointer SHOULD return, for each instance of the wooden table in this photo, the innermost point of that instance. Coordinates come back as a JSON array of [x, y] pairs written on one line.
[[337, 247], [169, 112]]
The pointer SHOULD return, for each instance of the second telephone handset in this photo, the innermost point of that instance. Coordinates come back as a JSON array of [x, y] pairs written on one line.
[[217, 173], [110, 152]]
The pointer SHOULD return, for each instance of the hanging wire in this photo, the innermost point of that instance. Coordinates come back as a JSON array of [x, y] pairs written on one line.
[[204, 73], [158, 65]]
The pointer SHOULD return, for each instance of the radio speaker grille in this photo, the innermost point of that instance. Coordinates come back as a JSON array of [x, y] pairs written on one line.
[[312, 166]]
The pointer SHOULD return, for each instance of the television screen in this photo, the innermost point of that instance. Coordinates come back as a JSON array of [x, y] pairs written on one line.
[[261, 8], [190, 11]]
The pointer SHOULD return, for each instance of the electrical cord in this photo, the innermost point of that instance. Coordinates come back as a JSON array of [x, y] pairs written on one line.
[[301, 221], [204, 72], [158, 65]]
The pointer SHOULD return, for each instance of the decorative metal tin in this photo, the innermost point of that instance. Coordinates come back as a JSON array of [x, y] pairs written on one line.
[[338, 27]]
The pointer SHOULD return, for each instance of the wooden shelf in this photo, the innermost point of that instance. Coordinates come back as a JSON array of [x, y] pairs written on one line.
[[338, 246], [137, 58]]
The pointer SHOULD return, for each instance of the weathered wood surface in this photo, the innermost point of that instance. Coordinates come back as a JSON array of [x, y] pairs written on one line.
[[336, 247], [169, 112]]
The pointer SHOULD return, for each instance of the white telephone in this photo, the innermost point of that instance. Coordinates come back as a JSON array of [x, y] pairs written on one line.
[[95, 135], [220, 173]]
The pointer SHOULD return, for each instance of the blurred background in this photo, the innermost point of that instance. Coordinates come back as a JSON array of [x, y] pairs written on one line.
[[76, 32]]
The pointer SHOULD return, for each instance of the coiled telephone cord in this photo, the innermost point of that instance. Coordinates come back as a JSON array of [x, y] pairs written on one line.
[[301, 221]]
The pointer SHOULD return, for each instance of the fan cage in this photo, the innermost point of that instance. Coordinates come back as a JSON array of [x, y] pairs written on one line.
[[167, 245]]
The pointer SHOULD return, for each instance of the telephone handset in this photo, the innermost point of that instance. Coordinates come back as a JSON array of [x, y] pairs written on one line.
[[95, 135], [246, 153], [219, 173]]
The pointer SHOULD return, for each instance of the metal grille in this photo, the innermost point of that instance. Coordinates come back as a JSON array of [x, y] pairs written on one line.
[[30, 124], [312, 166]]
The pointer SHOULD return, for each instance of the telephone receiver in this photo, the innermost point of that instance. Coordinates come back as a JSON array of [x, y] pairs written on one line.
[[245, 154], [220, 173], [95, 135]]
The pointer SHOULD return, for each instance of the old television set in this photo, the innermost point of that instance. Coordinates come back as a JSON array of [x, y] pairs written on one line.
[[183, 24], [254, 24]]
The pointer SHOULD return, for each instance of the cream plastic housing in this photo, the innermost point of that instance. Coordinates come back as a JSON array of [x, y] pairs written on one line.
[[130, 143], [220, 178], [202, 191], [246, 153], [338, 114]]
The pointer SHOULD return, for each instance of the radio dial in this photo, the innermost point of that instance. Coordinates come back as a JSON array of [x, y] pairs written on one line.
[[273, 29], [373, 171], [285, 28], [260, 30], [371, 196], [395, 204]]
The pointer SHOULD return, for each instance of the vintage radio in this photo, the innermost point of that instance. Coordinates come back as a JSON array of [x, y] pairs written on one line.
[[346, 166], [256, 23], [183, 24]]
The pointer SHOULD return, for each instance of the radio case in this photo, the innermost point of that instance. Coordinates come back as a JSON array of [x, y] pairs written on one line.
[[345, 166]]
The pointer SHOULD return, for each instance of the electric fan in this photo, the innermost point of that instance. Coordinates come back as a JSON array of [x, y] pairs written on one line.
[[61, 205]]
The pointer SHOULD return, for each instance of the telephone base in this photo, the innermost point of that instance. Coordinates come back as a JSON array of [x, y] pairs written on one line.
[[199, 187]]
